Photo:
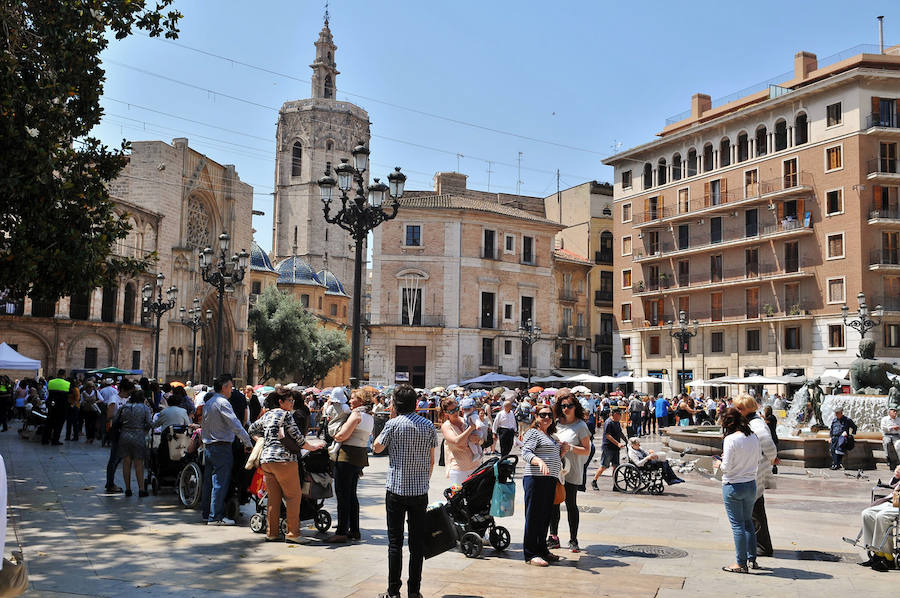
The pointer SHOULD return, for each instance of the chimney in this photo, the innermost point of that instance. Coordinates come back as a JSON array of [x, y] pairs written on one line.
[[700, 103], [450, 183], [804, 64]]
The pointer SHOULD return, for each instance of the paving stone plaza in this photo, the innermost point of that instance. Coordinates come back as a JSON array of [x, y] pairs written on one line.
[[80, 541]]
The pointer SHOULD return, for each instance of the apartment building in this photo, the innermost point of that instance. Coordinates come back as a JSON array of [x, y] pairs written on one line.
[[586, 212], [760, 218], [454, 276]]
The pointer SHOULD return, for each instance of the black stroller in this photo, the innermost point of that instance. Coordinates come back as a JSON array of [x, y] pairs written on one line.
[[469, 507], [316, 477]]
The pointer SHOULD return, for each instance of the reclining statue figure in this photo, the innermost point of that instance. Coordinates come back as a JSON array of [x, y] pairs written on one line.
[[868, 376]]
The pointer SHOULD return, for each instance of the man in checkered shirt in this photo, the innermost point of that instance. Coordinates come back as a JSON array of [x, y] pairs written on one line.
[[410, 441]]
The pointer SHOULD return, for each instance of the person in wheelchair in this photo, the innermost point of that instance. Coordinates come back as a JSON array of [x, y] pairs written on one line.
[[877, 535], [649, 460]]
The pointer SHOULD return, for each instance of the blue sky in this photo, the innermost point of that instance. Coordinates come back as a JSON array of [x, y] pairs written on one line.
[[576, 78]]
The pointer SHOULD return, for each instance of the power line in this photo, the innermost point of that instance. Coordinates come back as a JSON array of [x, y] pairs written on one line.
[[386, 103]]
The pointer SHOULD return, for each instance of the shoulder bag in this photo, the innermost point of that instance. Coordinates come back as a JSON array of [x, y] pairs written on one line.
[[503, 499], [287, 441]]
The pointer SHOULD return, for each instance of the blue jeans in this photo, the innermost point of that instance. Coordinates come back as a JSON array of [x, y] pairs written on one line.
[[739, 499], [216, 477]]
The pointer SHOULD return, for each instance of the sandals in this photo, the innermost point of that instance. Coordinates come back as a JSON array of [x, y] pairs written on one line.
[[730, 569], [538, 562]]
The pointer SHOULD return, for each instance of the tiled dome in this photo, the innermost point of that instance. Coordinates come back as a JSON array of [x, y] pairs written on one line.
[[259, 260], [332, 283], [294, 270]]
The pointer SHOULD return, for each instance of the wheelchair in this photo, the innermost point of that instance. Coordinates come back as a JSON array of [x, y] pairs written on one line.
[[889, 542], [166, 457], [630, 478]]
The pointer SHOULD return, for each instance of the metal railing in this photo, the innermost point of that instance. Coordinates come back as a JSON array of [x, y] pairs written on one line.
[[404, 320], [884, 257], [887, 212], [567, 295], [883, 166], [762, 232], [888, 121], [887, 302], [603, 258], [574, 363], [603, 297], [572, 331], [728, 275]]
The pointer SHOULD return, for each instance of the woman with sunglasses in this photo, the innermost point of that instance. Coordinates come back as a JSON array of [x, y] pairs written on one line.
[[543, 461], [571, 429], [462, 461]]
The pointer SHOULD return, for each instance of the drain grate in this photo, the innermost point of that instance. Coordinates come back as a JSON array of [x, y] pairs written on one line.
[[650, 551]]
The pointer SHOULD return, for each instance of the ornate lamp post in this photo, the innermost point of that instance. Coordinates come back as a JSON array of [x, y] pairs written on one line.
[[863, 323], [195, 322], [222, 275], [683, 334], [530, 334], [358, 216], [158, 308]]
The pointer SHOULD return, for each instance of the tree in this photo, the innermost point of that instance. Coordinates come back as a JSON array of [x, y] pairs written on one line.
[[57, 220], [289, 341]]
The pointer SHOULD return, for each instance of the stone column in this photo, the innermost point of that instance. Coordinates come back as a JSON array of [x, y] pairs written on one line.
[[120, 302], [96, 304]]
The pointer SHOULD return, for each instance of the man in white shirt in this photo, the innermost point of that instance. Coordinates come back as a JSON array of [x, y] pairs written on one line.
[[505, 427], [108, 394], [890, 430]]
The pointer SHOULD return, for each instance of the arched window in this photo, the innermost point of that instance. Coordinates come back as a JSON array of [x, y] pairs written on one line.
[[708, 157], [108, 308], [676, 167], [801, 129], [781, 140], [128, 308], [761, 137], [329, 145], [296, 159], [692, 162], [80, 306], [173, 360], [725, 152], [198, 234], [606, 247], [661, 172], [648, 175], [329, 87], [179, 361], [743, 147]]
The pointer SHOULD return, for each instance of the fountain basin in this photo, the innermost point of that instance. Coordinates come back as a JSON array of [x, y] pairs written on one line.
[[804, 450]]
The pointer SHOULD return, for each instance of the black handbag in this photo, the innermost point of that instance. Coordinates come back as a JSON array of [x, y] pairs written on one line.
[[287, 441]]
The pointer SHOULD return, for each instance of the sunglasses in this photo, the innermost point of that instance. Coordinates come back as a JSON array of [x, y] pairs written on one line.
[[545, 414], [567, 405], [451, 410]]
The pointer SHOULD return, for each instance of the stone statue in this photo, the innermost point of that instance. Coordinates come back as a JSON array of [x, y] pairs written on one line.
[[894, 394], [815, 397], [868, 376]]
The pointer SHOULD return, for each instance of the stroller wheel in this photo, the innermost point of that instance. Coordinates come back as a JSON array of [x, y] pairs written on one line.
[[257, 523], [499, 537], [470, 545], [322, 520]]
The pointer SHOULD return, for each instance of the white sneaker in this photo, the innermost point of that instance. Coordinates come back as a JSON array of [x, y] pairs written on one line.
[[226, 521]]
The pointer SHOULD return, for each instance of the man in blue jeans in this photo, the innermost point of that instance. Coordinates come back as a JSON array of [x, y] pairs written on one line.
[[219, 427], [410, 441]]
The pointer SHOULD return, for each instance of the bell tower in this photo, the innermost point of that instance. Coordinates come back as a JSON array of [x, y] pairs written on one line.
[[324, 79], [310, 133]]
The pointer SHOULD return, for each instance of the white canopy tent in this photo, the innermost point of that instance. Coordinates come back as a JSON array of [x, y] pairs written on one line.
[[592, 379], [715, 382], [10, 359]]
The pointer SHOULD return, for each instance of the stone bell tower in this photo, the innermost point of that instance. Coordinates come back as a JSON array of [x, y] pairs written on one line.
[[310, 133]]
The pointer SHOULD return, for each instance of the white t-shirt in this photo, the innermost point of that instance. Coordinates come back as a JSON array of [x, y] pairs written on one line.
[[740, 458]]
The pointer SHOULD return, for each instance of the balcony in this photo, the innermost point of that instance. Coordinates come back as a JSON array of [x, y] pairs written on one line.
[[570, 331], [785, 228], [736, 276], [742, 314], [887, 303], [573, 363], [884, 215], [417, 320], [882, 124], [884, 259], [603, 258], [603, 298], [567, 295], [603, 341], [883, 170], [770, 190]]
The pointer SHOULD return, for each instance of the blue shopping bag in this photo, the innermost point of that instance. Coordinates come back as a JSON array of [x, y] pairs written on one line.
[[503, 500]]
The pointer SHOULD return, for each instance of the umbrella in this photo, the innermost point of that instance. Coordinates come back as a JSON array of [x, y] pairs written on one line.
[[508, 395], [549, 379], [536, 389], [110, 370], [548, 391], [698, 382], [264, 389], [590, 379], [478, 394], [181, 384], [581, 389], [453, 387], [498, 390], [756, 379], [492, 377], [437, 389]]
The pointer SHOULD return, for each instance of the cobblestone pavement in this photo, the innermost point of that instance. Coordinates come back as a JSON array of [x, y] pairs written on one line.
[[80, 541]]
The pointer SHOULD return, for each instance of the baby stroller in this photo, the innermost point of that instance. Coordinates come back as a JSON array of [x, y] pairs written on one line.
[[316, 477], [469, 507], [167, 451]]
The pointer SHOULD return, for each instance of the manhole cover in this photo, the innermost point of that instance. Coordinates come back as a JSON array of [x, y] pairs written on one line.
[[649, 551], [818, 555]]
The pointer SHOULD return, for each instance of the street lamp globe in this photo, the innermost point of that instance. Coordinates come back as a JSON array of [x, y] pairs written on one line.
[[326, 185], [223, 241], [243, 259], [196, 303], [360, 157], [396, 180], [344, 172], [209, 315], [147, 292], [376, 193]]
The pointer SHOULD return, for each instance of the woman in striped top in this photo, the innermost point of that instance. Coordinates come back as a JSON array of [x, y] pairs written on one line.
[[543, 462]]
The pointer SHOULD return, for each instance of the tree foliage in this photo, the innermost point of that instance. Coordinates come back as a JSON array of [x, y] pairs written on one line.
[[289, 341], [57, 223]]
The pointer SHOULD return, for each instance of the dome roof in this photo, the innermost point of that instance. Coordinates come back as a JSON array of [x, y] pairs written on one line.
[[332, 283], [258, 259], [294, 270]]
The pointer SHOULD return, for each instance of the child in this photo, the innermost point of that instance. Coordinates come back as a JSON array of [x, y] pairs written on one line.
[[335, 413]]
